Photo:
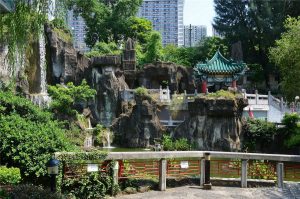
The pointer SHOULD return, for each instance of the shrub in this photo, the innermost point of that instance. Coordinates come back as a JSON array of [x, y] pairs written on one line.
[[258, 133], [182, 144], [94, 185], [102, 48], [168, 144], [27, 191], [64, 98], [9, 176], [179, 145], [28, 135], [291, 131], [222, 94], [141, 91]]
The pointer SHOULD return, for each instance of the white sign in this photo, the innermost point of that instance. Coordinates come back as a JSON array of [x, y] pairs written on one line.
[[184, 164], [92, 168]]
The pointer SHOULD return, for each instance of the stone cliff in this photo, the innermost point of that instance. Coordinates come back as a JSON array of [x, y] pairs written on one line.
[[214, 124], [65, 64], [140, 125]]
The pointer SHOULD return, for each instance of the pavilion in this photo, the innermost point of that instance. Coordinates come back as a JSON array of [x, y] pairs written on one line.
[[218, 72]]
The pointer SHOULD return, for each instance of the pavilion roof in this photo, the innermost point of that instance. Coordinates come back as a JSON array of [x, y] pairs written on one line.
[[219, 65]]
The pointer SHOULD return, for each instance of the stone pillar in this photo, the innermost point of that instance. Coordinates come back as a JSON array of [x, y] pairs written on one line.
[[115, 173], [202, 172], [244, 174], [204, 86], [207, 184], [280, 174], [162, 175], [256, 97], [233, 84]]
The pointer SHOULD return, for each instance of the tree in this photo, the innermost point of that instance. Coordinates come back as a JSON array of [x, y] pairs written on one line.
[[64, 98], [106, 20], [102, 48], [286, 55], [192, 55], [139, 29], [153, 48], [256, 24]]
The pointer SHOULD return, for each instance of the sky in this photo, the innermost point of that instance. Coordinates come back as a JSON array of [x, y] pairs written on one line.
[[199, 12]]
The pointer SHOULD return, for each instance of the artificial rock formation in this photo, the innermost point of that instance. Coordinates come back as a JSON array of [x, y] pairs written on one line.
[[107, 80], [65, 63], [214, 124], [178, 78], [140, 125]]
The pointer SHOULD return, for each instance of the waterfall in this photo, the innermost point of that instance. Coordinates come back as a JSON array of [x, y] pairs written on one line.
[[108, 141], [89, 123]]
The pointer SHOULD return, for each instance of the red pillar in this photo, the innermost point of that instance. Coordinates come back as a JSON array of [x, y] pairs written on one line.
[[204, 86], [233, 85]]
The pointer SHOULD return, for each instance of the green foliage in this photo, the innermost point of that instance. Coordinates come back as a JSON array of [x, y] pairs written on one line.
[[9, 176], [258, 133], [94, 185], [179, 145], [64, 35], [139, 29], [141, 91], [75, 135], [256, 73], [82, 157], [4, 194], [190, 56], [153, 48], [28, 135], [261, 170], [179, 55], [286, 55], [257, 24], [182, 144], [107, 20], [222, 94], [167, 143], [102, 48], [209, 46], [59, 24], [27, 191], [291, 130], [65, 97], [18, 28]]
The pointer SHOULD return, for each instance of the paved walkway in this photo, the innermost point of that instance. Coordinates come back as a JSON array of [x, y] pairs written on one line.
[[291, 190]]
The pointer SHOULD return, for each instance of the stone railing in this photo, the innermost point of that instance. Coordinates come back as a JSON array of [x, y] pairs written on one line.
[[204, 161]]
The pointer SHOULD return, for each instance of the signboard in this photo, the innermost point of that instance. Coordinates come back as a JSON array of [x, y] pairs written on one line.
[[92, 168], [184, 164]]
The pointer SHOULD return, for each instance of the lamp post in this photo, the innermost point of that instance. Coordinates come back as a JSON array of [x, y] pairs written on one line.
[[52, 168]]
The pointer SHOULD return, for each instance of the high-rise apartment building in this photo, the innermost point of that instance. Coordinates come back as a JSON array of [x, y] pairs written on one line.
[[166, 17], [78, 28], [193, 34]]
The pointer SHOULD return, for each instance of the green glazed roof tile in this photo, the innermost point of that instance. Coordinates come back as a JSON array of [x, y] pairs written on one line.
[[220, 65]]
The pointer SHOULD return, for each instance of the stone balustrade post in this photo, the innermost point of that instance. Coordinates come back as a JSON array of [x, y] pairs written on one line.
[[162, 174], [280, 174], [116, 172], [202, 172], [207, 183], [244, 174]]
